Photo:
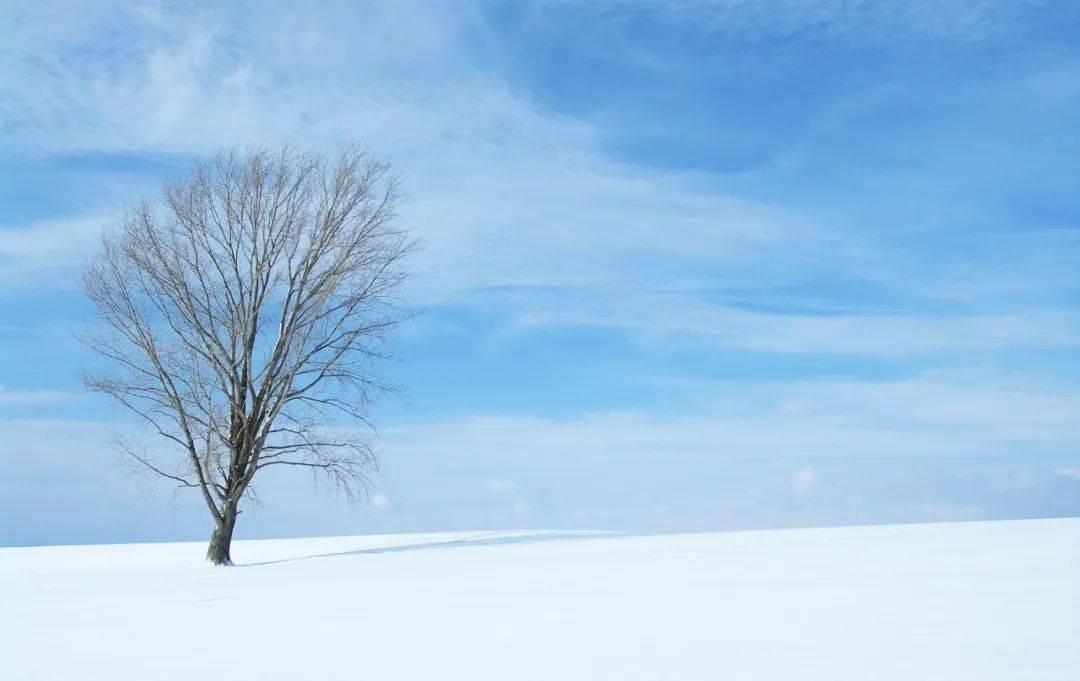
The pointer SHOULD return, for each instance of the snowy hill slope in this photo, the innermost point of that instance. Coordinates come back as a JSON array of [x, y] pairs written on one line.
[[978, 601]]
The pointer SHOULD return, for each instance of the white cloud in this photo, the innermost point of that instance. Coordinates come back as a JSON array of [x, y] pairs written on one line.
[[937, 415], [33, 397], [996, 412], [521, 509], [46, 250], [804, 479], [501, 485], [886, 427], [681, 320]]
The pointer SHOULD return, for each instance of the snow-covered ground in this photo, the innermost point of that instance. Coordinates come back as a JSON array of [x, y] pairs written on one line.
[[978, 601]]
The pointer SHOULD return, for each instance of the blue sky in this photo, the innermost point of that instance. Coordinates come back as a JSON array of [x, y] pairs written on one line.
[[686, 266]]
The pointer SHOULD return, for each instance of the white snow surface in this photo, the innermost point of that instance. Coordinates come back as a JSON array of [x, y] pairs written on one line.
[[956, 601]]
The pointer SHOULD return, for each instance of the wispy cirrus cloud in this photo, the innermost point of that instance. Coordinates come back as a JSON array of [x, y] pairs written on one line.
[[47, 250], [753, 21], [32, 398], [667, 319], [428, 88]]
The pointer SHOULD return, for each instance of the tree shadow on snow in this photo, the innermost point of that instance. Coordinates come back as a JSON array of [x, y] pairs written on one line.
[[485, 539]]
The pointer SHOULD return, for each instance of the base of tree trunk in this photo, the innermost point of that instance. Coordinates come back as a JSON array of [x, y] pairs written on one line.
[[218, 556], [217, 553]]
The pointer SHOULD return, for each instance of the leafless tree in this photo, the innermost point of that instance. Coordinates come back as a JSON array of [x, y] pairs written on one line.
[[244, 316]]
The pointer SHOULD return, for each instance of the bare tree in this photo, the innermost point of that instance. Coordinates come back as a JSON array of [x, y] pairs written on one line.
[[245, 316]]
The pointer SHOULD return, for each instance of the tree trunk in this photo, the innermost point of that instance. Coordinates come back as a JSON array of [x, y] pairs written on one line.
[[221, 541]]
